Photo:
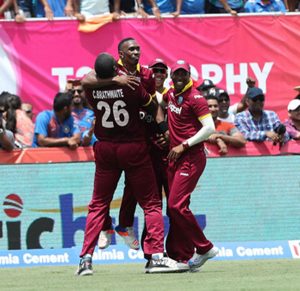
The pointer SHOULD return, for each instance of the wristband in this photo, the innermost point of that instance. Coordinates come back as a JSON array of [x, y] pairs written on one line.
[[162, 127], [185, 145], [141, 5]]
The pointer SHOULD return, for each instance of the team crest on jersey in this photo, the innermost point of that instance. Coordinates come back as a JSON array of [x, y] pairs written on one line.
[[66, 129], [180, 99]]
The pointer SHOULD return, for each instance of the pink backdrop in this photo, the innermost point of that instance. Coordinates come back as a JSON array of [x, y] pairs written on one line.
[[43, 54]]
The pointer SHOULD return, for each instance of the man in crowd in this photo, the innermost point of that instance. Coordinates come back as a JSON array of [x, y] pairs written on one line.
[[56, 128], [122, 147], [190, 123], [226, 133], [293, 122], [6, 137], [83, 117], [257, 124]]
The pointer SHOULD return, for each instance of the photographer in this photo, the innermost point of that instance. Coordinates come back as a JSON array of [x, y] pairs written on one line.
[[6, 137]]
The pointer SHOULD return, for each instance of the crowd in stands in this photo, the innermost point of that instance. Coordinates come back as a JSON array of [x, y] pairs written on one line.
[[71, 122], [82, 9]]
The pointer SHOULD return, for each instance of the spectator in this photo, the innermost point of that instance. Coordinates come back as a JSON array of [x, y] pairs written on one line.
[[293, 122], [189, 7], [6, 137], [226, 133], [56, 128], [83, 117], [205, 87], [122, 6], [90, 8], [223, 6], [58, 8], [4, 6], [257, 124], [257, 6], [228, 112], [27, 108], [18, 122]]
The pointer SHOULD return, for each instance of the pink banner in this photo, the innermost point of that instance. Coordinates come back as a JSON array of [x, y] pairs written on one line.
[[37, 57]]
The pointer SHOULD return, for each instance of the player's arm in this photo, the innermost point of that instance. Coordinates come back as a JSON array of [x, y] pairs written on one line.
[[90, 80], [208, 127]]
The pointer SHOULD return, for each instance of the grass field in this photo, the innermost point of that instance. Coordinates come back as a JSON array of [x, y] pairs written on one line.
[[215, 275]]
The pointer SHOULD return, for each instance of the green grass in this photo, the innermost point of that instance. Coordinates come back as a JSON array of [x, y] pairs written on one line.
[[216, 275]]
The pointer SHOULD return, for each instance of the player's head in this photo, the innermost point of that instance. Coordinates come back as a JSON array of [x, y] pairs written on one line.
[[62, 104], [129, 51], [105, 66], [180, 74]]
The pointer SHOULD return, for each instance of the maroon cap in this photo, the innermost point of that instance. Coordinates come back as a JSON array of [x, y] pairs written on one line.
[[180, 64], [158, 63]]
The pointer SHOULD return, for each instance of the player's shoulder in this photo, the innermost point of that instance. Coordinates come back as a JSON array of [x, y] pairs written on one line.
[[195, 95]]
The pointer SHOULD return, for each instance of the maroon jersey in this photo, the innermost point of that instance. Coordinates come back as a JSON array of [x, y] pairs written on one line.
[[184, 111], [145, 76], [116, 110]]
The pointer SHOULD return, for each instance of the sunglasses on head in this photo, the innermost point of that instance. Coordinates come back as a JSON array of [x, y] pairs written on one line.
[[76, 90], [260, 98], [162, 71]]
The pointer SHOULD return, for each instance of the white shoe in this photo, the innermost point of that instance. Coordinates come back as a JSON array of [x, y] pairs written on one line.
[[165, 265], [198, 260], [104, 240], [127, 233]]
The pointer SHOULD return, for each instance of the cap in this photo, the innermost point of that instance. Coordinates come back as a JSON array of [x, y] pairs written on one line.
[[158, 63], [206, 84], [254, 92], [180, 64], [293, 105]]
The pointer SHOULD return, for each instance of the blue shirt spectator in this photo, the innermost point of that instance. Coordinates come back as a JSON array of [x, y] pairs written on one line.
[[57, 128], [256, 6], [165, 6], [48, 125], [192, 7]]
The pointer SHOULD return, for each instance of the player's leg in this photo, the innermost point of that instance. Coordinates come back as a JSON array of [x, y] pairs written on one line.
[[107, 175], [185, 232], [141, 178], [126, 218]]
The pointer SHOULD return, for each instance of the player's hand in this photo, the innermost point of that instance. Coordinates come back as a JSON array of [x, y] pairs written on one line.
[[162, 140], [126, 80], [213, 137], [175, 153]]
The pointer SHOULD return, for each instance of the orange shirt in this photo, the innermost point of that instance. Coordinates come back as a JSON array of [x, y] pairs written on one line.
[[225, 127]]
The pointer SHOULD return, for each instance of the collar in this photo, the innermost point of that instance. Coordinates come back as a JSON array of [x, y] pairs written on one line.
[[138, 66], [186, 87]]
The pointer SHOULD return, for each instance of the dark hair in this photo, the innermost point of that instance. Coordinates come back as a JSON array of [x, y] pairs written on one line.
[[211, 97], [120, 45], [13, 102], [62, 100], [105, 66]]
